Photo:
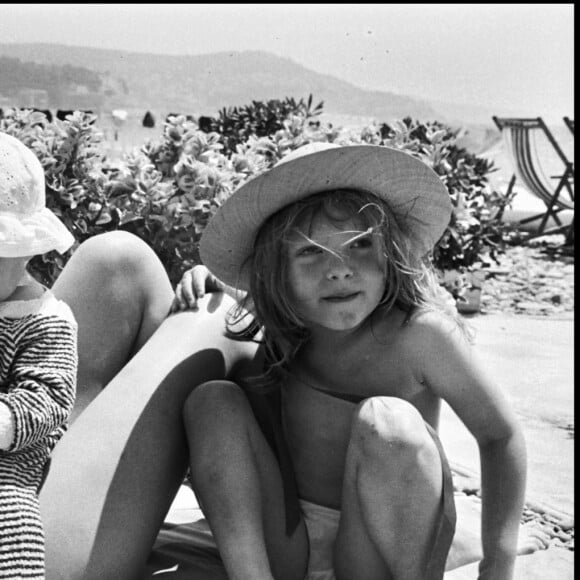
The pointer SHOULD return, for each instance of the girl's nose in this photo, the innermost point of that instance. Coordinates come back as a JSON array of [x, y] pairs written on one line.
[[338, 268]]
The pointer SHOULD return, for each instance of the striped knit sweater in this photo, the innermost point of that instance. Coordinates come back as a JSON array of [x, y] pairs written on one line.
[[38, 364]]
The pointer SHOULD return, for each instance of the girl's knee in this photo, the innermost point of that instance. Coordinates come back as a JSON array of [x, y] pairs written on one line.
[[212, 398], [389, 427]]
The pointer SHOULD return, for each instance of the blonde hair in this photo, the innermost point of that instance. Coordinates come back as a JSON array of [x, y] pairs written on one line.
[[410, 280]]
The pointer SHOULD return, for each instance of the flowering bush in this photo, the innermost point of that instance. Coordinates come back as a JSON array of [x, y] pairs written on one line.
[[235, 125], [166, 191]]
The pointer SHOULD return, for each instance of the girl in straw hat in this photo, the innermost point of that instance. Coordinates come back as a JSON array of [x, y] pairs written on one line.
[[38, 359], [327, 463]]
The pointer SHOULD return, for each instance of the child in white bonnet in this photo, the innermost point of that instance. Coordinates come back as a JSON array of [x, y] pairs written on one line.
[[38, 358]]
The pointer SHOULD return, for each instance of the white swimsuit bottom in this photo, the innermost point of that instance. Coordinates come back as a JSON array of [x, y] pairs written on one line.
[[322, 527]]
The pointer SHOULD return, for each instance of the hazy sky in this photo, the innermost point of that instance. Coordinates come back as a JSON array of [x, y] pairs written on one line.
[[509, 56]]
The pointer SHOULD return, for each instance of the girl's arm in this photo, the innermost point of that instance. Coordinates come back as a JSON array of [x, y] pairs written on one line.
[[503, 480], [452, 371], [40, 392]]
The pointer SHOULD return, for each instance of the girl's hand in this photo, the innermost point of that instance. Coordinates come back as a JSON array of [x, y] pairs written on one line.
[[193, 285]]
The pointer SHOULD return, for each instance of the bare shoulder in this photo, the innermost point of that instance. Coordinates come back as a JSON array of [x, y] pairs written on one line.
[[434, 336], [435, 323]]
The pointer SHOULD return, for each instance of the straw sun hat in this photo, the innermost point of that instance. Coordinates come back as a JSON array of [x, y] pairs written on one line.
[[414, 192], [27, 226]]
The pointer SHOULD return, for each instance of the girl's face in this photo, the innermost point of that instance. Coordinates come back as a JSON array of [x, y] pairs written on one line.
[[11, 272], [336, 273]]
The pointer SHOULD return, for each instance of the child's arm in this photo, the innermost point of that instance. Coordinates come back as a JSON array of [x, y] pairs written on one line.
[[6, 426], [453, 373], [194, 284], [40, 391], [503, 477]]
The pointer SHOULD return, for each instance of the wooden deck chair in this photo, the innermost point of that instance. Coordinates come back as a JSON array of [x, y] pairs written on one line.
[[570, 237], [519, 136]]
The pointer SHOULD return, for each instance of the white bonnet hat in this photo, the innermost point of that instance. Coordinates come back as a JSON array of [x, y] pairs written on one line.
[[27, 226]]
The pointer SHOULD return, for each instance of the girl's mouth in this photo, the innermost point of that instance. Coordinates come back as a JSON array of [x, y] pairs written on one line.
[[341, 297]]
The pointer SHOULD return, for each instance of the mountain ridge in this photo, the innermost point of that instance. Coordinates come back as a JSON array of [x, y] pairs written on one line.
[[204, 84]]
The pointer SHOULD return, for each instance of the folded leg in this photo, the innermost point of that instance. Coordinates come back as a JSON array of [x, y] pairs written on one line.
[[237, 480], [115, 472], [119, 293], [393, 497]]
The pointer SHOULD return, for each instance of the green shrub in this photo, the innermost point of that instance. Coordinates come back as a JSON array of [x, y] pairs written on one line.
[[166, 191], [235, 125]]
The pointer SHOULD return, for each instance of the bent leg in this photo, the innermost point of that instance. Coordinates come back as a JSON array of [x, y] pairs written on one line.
[[119, 293], [392, 496], [237, 480], [115, 472]]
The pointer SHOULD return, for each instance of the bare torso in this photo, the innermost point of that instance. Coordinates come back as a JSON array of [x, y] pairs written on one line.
[[380, 362]]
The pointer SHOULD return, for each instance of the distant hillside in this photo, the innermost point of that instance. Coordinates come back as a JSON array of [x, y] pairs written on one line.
[[44, 85], [204, 84]]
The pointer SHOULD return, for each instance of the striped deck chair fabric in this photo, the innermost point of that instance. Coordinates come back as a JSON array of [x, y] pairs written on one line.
[[557, 192]]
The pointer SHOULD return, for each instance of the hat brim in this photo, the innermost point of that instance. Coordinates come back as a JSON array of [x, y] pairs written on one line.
[[414, 192], [32, 235]]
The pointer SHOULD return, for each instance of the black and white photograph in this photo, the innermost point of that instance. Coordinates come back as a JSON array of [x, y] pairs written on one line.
[[287, 291]]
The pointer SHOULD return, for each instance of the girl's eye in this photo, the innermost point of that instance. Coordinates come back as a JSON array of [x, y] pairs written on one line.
[[363, 242], [309, 251]]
